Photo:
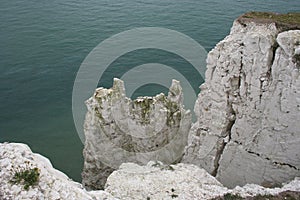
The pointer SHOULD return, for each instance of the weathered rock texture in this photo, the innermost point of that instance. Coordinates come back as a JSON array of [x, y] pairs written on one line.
[[119, 130], [52, 184], [131, 181], [180, 181], [158, 181], [248, 110]]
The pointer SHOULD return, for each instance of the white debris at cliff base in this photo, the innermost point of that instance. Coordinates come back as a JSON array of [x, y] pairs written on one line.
[[180, 181], [130, 181]]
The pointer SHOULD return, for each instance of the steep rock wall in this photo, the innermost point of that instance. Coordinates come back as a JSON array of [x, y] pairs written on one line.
[[118, 130], [248, 110]]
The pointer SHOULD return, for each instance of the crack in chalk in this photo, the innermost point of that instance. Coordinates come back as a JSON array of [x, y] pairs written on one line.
[[238, 143], [260, 90], [231, 121], [218, 157], [273, 162], [274, 49], [285, 164], [279, 101], [221, 148]]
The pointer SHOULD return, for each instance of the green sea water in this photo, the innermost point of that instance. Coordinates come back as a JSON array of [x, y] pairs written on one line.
[[43, 43]]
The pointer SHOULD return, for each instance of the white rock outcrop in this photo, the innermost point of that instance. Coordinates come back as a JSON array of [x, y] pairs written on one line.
[[180, 181], [248, 110], [52, 184], [119, 130], [158, 181], [130, 181]]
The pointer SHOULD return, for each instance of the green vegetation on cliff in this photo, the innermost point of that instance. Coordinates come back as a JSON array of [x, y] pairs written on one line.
[[289, 21]]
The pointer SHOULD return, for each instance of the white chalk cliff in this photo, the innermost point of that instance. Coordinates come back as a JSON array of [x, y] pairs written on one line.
[[119, 130], [248, 110], [247, 131]]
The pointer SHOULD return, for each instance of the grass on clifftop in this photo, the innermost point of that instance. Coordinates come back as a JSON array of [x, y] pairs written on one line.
[[27, 176], [284, 21], [286, 195]]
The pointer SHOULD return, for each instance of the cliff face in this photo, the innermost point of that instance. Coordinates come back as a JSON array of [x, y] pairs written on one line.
[[119, 130], [248, 110]]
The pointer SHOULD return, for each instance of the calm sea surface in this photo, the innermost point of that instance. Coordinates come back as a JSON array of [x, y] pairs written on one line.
[[42, 44]]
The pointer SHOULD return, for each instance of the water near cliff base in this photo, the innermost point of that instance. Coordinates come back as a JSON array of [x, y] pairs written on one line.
[[44, 42]]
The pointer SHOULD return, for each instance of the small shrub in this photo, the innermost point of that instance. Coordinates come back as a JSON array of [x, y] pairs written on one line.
[[27, 176], [262, 197], [230, 196]]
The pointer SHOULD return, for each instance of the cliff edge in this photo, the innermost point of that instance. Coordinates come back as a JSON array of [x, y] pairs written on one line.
[[130, 181], [247, 128]]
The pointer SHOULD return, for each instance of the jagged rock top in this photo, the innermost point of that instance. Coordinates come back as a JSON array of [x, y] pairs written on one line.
[[284, 22], [118, 129]]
